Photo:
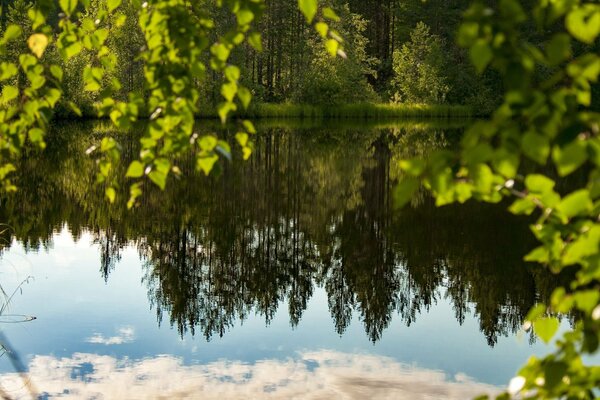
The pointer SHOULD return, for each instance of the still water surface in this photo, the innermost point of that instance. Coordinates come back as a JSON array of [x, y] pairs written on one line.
[[287, 276]]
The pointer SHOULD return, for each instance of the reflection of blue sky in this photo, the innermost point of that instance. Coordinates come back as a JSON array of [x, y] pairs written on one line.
[[73, 304]]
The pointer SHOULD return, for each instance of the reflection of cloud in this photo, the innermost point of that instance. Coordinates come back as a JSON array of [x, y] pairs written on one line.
[[315, 375], [125, 335]]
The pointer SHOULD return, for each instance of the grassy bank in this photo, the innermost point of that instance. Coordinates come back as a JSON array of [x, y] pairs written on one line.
[[355, 111], [360, 111]]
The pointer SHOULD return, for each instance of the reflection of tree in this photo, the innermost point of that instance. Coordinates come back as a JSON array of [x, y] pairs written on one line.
[[310, 208]]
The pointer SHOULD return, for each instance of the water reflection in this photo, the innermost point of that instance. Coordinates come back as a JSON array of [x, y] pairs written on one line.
[[312, 208], [310, 375]]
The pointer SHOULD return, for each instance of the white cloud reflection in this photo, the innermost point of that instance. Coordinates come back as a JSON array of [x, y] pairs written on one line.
[[314, 375], [124, 335]]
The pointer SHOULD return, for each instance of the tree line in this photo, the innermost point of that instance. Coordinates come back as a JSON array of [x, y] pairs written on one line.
[[402, 52]]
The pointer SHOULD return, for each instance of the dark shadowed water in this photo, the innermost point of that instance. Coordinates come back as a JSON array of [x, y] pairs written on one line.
[[290, 275]]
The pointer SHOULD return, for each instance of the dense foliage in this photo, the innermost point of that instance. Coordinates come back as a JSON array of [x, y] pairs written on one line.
[[290, 67], [419, 69]]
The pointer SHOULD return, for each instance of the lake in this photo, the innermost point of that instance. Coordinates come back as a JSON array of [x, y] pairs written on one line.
[[291, 275]]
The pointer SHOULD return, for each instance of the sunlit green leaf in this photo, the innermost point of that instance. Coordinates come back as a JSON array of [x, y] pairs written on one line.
[[332, 47], [308, 8], [537, 183], [159, 178], [576, 203], [9, 93], [135, 170], [584, 22], [545, 328], [206, 163], [207, 142], [569, 158], [322, 28], [112, 4], [111, 194], [12, 32], [242, 138], [330, 14], [68, 6]]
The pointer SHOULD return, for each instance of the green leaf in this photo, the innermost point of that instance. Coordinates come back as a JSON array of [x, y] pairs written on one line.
[[308, 8], [414, 167], [554, 373], [135, 170], [159, 178], [206, 163], [112, 4], [249, 126], [68, 6], [569, 158], [558, 48], [245, 96], [513, 10], [332, 47], [12, 32], [536, 147], [220, 51], [229, 90], [111, 194], [483, 178], [74, 108], [536, 312], [537, 183], [57, 72], [207, 142], [522, 206], [245, 16], [481, 55], [242, 138], [545, 328], [587, 300], [232, 73], [404, 191], [586, 66], [73, 49], [223, 109], [255, 40], [577, 203], [584, 22], [322, 29], [36, 135], [7, 71], [9, 93], [330, 14], [585, 245], [506, 163], [539, 254]]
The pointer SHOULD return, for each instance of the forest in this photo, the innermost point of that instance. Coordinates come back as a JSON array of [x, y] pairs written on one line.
[[189, 160], [397, 52]]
